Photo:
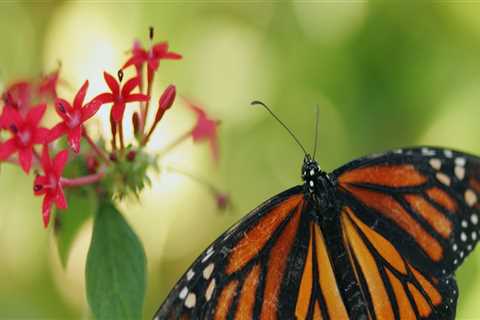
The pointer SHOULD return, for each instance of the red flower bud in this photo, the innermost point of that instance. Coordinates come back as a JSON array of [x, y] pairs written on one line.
[[131, 155], [165, 101]]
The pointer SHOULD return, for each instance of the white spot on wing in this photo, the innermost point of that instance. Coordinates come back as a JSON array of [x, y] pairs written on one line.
[[460, 161], [183, 293], [435, 163], [428, 152], [470, 197], [190, 274], [210, 288], [443, 178], [474, 219], [191, 300], [463, 236], [460, 172], [207, 272], [448, 153]]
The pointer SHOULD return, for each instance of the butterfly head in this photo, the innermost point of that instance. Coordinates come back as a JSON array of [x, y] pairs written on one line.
[[312, 174]]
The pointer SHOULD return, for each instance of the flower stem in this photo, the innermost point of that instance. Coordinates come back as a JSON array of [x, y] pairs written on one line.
[[95, 148], [214, 190], [82, 181], [120, 134], [176, 142], [147, 104]]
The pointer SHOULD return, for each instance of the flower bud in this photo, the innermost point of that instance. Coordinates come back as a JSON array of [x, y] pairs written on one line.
[[165, 101], [131, 155]]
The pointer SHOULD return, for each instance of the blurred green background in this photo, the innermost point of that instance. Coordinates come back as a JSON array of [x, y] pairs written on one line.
[[384, 76]]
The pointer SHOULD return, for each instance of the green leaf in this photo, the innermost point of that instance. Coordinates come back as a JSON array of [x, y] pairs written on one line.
[[82, 203], [115, 271]]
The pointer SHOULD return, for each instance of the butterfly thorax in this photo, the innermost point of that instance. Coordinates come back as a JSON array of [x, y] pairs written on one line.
[[318, 185]]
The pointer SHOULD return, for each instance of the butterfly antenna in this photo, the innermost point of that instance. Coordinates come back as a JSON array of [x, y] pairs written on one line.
[[256, 103], [317, 115]]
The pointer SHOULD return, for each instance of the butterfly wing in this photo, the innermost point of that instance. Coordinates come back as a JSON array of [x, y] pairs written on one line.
[[244, 263], [391, 287], [409, 218]]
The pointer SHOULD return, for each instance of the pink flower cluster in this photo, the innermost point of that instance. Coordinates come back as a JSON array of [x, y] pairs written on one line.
[[25, 142]]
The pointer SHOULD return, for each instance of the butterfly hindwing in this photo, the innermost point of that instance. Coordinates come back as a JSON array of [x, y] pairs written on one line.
[[423, 200], [392, 287]]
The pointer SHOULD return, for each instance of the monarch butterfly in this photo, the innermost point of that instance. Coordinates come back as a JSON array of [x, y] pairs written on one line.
[[378, 238]]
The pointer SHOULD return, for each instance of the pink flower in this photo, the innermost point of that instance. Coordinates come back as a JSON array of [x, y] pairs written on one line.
[[48, 85], [205, 129], [73, 117], [18, 95], [120, 97], [152, 57], [25, 134], [50, 184]]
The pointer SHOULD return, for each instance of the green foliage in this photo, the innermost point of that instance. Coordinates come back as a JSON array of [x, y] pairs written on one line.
[[115, 271]]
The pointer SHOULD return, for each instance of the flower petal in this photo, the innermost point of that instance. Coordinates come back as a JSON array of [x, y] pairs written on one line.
[[45, 160], [129, 86], [90, 109], [136, 97], [25, 158], [11, 117], [160, 48], [80, 96], [60, 161], [105, 98], [7, 148], [213, 142], [35, 115], [47, 208], [172, 56], [135, 60], [112, 83], [74, 136], [60, 200], [39, 182], [63, 107], [56, 132], [41, 136], [117, 111]]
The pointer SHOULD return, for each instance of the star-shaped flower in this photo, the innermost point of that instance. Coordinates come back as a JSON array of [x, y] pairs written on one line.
[[73, 117], [205, 129], [120, 97], [151, 57], [18, 95], [48, 85], [25, 134], [49, 184]]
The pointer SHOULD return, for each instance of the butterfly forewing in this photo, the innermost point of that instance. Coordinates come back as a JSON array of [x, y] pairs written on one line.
[[424, 200], [246, 261]]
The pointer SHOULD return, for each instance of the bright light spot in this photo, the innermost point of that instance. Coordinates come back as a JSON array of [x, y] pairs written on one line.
[[71, 280], [225, 72], [87, 41]]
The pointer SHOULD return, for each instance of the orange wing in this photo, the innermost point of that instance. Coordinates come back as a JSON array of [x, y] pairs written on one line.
[[424, 201], [243, 267], [392, 287]]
